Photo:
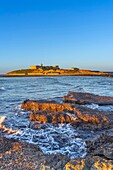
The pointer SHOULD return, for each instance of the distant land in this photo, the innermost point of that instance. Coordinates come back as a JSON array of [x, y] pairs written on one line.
[[40, 70]]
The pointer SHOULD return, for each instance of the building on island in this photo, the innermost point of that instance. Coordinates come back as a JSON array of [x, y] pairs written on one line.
[[74, 69], [33, 67], [44, 67]]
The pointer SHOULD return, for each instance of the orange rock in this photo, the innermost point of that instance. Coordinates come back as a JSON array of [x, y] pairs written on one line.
[[90, 163], [52, 117], [45, 105]]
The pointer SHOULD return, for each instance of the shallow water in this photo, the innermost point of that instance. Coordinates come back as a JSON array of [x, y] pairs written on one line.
[[14, 90]]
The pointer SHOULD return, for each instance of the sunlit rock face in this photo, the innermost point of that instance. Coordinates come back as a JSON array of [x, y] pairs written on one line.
[[50, 112], [52, 117], [80, 116], [45, 105], [83, 117], [93, 118], [87, 98]]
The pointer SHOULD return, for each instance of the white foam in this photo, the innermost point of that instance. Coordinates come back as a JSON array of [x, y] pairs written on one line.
[[54, 139], [2, 119], [18, 107], [4, 128], [101, 108], [2, 88], [93, 106]]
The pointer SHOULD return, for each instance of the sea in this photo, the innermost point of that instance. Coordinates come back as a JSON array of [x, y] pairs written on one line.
[[61, 138]]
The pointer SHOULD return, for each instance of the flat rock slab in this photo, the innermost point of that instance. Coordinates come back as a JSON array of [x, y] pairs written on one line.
[[87, 98]]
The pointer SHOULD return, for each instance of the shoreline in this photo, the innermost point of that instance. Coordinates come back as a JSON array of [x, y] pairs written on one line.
[[60, 75]]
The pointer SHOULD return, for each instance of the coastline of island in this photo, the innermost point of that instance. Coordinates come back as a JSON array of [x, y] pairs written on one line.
[[40, 70]]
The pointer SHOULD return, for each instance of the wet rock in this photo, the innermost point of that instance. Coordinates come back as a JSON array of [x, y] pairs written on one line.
[[87, 98], [35, 125]]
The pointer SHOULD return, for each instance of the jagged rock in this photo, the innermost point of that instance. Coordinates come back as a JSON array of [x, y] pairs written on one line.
[[93, 118], [49, 111], [87, 98], [83, 117], [52, 117], [18, 155], [45, 105], [102, 145]]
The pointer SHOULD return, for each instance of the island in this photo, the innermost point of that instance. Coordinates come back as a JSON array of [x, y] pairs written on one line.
[[41, 70]]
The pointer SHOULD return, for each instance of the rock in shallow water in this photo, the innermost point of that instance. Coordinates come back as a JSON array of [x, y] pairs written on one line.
[[79, 116], [40, 105], [52, 117], [87, 98]]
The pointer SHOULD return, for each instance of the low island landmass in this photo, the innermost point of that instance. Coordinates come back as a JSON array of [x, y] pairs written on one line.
[[40, 70]]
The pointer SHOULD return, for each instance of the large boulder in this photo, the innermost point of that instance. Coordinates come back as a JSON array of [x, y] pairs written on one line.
[[87, 98]]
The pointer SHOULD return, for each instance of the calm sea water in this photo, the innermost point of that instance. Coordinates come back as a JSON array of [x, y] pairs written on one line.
[[14, 90]]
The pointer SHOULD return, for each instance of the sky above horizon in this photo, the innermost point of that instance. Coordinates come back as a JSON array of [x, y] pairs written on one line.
[[68, 33]]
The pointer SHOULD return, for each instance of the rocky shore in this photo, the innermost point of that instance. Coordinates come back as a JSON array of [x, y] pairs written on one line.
[[16, 155], [93, 125]]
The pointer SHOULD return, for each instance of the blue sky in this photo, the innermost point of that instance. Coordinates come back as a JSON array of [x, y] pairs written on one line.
[[68, 33]]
